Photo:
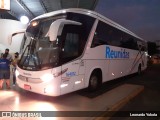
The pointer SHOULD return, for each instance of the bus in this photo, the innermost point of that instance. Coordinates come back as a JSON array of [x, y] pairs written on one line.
[[71, 49]]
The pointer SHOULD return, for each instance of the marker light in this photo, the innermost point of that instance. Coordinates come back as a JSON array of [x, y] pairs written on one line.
[[64, 85], [35, 23], [24, 19], [47, 77], [77, 82], [88, 12]]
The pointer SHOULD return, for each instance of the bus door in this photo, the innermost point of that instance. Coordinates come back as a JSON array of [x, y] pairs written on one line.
[[67, 35]]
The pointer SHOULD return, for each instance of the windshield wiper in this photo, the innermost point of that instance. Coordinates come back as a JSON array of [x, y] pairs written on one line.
[[30, 55]]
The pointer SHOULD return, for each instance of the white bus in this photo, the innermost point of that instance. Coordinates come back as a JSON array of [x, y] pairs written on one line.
[[72, 49]]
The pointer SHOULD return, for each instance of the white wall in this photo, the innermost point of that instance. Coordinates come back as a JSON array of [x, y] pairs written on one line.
[[7, 27]]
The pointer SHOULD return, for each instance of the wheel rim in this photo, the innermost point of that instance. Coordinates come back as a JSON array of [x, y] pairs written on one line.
[[94, 82]]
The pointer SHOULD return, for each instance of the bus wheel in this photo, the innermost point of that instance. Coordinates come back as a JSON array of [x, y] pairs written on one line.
[[139, 70], [93, 82]]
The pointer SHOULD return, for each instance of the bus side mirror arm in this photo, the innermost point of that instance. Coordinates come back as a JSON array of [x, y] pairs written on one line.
[[13, 34], [57, 27]]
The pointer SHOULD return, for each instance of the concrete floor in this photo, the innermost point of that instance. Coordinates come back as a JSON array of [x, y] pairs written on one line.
[[17, 99], [149, 99]]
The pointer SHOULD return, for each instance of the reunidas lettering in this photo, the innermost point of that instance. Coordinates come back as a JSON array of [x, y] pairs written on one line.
[[112, 54]]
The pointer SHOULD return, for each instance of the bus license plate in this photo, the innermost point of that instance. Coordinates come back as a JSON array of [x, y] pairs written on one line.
[[27, 87]]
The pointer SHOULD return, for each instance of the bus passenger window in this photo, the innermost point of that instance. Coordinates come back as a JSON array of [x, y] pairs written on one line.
[[71, 45]]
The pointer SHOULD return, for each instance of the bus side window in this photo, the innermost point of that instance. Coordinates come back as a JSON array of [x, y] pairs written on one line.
[[106, 35], [70, 43], [100, 35], [97, 41]]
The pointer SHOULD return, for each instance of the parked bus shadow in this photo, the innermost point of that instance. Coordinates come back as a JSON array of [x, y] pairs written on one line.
[[107, 86]]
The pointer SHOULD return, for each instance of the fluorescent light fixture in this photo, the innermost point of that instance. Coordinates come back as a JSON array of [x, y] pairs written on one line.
[[24, 19]]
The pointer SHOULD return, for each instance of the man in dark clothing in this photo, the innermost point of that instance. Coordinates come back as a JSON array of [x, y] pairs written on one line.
[[9, 57], [4, 71], [14, 63]]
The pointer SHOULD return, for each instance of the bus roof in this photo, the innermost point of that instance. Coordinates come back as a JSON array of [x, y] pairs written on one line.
[[89, 13]]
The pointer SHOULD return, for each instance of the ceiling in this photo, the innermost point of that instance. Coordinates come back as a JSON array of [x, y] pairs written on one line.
[[33, 8]]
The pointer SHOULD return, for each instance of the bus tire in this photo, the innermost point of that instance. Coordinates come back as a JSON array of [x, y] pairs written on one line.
[[139, 70], [94, 82]]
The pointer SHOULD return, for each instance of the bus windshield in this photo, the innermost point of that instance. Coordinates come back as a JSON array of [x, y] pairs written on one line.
[[39, 54]]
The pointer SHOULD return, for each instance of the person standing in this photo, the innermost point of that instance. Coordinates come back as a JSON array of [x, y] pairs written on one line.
[[14, 63], [9, 57], [4, 71]]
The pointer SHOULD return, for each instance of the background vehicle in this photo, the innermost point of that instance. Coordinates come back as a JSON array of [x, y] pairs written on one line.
[[72, 49]]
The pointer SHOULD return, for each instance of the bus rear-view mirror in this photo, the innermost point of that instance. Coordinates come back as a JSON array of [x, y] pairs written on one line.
[[22, 31], [57, 27]]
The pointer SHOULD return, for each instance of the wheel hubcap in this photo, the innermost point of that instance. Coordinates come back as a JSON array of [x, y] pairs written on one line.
[[94, 82]]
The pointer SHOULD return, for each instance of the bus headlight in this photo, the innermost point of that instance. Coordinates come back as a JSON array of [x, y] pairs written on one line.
[[16, 73], [47, 77]]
